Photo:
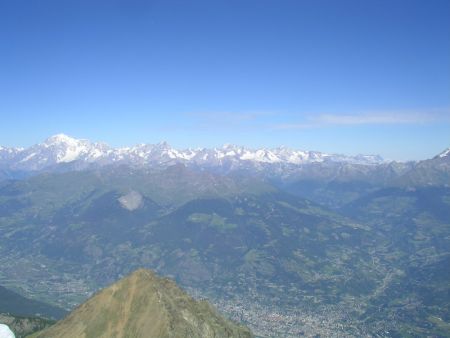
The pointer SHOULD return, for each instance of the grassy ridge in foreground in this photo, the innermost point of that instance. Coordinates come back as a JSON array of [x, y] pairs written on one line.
[[143, 305]]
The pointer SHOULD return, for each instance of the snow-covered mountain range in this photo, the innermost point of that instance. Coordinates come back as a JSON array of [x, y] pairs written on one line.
[[61, 148]]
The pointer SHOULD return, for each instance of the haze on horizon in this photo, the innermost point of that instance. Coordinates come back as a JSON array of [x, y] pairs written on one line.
[[350, 77]]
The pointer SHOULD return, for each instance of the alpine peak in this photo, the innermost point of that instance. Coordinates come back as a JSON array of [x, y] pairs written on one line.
[[445, 153]]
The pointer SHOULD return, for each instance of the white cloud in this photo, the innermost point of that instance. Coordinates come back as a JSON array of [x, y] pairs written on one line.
[[322, 120]]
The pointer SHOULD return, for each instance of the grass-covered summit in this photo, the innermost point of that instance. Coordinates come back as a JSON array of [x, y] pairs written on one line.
[[143, 305]]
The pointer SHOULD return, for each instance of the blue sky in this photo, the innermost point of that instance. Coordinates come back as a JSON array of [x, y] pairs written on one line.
[[368, 76]]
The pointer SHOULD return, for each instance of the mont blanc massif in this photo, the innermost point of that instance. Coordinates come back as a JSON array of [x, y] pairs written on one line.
[[287, 243]]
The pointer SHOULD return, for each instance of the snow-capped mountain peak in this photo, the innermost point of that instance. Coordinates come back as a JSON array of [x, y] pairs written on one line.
[[57, 149], [445, 153], [61, 139], [61, 148], [7, 153], [65, 148]]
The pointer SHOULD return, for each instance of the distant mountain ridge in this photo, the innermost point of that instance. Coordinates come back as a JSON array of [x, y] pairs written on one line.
[[62, 149]]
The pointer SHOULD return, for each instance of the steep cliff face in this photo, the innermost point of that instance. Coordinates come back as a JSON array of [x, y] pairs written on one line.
[[143, 305]]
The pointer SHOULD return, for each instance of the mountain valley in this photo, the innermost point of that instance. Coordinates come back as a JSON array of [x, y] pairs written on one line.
[[329, 245]]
